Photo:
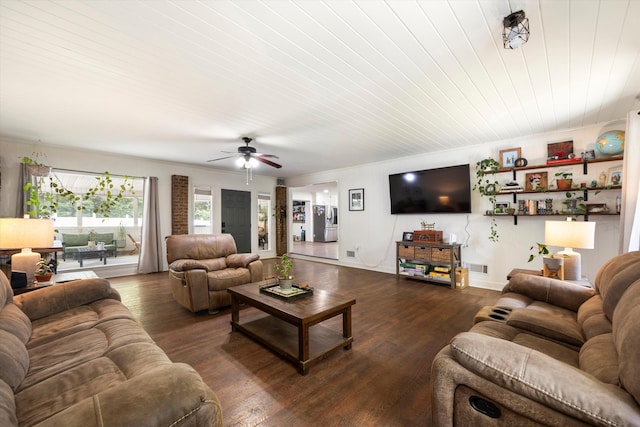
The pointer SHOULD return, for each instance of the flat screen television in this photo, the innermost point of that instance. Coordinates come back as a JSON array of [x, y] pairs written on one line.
[[441, 190]]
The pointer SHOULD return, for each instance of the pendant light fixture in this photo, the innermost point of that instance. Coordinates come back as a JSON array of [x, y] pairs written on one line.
[[516, 30]]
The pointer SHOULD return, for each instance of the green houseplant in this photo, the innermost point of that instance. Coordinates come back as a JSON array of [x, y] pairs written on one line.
[[564, 180], [44, 270], [283, 270], [487, 185], [46, 192]]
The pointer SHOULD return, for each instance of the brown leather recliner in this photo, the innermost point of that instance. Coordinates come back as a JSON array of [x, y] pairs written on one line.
[[203, 266], [562, 355]]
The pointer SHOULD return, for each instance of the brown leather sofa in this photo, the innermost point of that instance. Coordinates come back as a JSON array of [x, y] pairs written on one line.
[[73, 355], [203, 266], [562, 354]]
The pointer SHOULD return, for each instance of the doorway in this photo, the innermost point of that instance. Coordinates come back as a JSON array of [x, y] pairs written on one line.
[[315, 222], [236, 217]]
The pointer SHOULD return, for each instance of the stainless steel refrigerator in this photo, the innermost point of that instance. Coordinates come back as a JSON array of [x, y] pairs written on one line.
[[325, 223]]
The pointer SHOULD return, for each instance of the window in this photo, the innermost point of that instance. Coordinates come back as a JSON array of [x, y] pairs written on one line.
[[264, 225], [202, 210]]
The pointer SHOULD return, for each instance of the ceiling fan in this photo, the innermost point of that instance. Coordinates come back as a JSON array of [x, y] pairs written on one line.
[[248, 157]]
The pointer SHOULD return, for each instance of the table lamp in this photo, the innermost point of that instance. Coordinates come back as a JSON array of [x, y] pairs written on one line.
[[25, 234], [570, 234]]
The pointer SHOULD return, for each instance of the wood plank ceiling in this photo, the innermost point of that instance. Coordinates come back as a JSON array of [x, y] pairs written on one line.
[[321, 84]]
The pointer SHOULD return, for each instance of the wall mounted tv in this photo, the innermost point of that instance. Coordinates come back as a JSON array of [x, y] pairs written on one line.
[[441, 190]]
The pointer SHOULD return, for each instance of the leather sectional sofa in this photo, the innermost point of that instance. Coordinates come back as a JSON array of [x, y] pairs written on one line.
[[73, 355], [203, 266], [561, 354]]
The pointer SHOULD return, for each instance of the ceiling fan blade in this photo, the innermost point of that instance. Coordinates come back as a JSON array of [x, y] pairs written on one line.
[[270, 156], [268, 162], [221, 158]]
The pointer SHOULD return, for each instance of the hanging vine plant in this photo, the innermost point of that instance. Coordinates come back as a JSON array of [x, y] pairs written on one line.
[[44, 196], [487, 185]]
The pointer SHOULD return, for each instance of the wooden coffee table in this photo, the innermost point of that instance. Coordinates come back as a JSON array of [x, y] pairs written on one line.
[[286, 329]]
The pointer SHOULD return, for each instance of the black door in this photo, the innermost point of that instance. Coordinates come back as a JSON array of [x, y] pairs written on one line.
[[236, 217]]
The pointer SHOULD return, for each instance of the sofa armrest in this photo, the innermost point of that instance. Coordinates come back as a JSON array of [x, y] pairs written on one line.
[[544, 379], [190, 288], [61, 297], [553, 291], [241, 260], [165, 396]]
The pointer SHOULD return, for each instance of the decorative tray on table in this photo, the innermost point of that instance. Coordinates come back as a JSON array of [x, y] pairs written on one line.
[[296, 291]]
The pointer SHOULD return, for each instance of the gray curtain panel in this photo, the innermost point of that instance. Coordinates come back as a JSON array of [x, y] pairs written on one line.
[[150, 260]]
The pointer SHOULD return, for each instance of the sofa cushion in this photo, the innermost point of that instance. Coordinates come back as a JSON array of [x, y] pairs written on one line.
[[548, 320], [591, 318], [614, 277], [200, 246], [224, 279], [76, 319], [14, 321], [527, 372], [626, 335], [508, 333], [8, 416], [103, 237], [75, 239], [598, 357], [14, 360]]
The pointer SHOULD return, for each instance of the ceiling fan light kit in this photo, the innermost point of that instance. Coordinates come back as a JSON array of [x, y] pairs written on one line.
[[516, 30], [249, 158]]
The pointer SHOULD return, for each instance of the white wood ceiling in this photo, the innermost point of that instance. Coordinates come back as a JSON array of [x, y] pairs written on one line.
[[321, 84]]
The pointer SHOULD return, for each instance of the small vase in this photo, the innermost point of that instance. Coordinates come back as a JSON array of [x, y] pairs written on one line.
[[285, 283]]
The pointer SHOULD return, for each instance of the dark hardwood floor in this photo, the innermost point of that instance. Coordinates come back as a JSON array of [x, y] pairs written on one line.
[[398, 326]]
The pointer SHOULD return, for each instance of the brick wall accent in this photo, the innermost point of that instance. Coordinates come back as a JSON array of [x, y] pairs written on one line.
[[179, 204], [281, 220]]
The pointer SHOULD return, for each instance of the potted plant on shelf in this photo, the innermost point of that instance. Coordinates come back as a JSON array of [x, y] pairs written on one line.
[[44, 270], [564, 180], [487, 185], [283, 270]]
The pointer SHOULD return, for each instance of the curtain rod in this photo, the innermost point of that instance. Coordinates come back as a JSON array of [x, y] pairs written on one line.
[[96, 173]]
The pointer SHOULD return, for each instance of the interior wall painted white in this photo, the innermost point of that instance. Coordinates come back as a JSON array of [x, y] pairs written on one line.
[[12, 151], [373, 232]]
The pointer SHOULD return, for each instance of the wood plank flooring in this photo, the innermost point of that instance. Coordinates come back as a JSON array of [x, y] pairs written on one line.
[[398, 326]]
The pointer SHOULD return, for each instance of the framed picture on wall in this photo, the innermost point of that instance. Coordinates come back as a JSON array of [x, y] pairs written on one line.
[[356, 199], [536, 181], [509, 156], [407, 236], [615, 175]]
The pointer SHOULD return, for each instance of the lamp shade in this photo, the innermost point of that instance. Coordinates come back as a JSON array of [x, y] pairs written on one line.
[[18, 233], [570, 234]]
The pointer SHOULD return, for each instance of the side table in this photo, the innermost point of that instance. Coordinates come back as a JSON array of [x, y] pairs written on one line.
[[57, 279]]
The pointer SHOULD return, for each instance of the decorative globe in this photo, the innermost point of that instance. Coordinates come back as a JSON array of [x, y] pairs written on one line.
[[610, 143]]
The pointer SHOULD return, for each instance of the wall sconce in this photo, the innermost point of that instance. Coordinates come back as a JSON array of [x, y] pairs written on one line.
[[516, 30]]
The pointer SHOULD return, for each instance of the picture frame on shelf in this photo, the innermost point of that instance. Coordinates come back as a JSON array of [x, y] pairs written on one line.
[[615, 176], [356, 199], [596, 208], [560, 150], [407, 236], [536, 181], [501, 208], [509, 156]]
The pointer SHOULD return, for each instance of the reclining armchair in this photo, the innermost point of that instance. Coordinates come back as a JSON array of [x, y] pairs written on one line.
[[561, 354], [203, 266]]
